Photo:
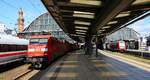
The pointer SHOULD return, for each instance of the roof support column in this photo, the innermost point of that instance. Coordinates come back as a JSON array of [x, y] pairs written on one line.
[[96, 41], [88, 45]]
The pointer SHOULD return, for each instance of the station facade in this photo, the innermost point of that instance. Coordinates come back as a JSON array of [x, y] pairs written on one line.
[[45, 23], [130, 36]]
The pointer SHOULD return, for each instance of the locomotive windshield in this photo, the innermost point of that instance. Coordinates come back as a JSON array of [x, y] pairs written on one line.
[[38, 41]]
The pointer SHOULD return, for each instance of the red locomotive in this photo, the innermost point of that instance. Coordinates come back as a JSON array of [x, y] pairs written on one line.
[[42, 49], [116, 46]]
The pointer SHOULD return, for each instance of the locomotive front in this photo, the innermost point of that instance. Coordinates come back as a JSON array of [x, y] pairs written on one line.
[[38, 50]]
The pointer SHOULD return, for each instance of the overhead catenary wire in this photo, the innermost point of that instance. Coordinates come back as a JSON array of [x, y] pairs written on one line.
[[8, 4], [33, 5], [12, 6], [15, 7], [6, 17]]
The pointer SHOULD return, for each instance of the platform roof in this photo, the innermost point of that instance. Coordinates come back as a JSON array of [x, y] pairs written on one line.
[[81, 18]]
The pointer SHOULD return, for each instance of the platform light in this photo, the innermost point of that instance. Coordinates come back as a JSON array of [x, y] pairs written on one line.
[[83, 14], [81, 27], [87, 2], [101, 30], [74, 35], [140, 2], [81, 36], [112, 22], [77, 35], [123, 14], [82, 23], [126, 12], [80, 33], [80, 30], [106, 27]]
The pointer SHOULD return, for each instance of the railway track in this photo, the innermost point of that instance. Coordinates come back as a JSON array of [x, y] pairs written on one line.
[[19, 73], [130, 56], [26, 75], [129, 60], [143, 54], [23, 74]]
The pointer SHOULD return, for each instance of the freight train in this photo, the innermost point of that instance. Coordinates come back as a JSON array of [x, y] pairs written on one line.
[[43, 49], [116, 46], [12, 49]]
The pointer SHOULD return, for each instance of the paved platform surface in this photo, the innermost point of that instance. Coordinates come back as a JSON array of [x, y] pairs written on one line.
[[77, 66]]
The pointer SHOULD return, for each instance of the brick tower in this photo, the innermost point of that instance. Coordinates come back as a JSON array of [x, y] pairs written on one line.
[[20, 21]]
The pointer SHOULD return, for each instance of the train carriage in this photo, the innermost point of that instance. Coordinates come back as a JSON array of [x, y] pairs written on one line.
[[43, 49], [12, 49]]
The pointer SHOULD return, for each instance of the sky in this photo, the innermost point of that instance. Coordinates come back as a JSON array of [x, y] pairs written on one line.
[[33, 8], [142, 26], [9, 11]]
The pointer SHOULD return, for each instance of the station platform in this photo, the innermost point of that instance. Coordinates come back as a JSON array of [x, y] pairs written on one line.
[[77, 66]]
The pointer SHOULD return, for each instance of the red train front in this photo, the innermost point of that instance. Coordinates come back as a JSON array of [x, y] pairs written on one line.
[[116, 46], [43, 49], [37, 50]]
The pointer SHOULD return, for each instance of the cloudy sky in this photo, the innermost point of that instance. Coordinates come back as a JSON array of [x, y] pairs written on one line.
[[142, 26], [34, 8]]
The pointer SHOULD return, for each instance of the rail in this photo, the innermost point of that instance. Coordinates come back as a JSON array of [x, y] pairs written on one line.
[[22, 75], [145, 54]]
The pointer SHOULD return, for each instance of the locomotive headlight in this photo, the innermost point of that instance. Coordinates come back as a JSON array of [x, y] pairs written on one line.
[[44, 49], [31, 50]]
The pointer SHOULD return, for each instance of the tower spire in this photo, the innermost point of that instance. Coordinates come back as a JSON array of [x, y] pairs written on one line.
[[20, 21]]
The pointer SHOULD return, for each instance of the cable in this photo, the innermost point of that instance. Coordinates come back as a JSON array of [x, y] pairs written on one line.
[[12, 6], [7, 17], [6, 3], [34, 6]]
